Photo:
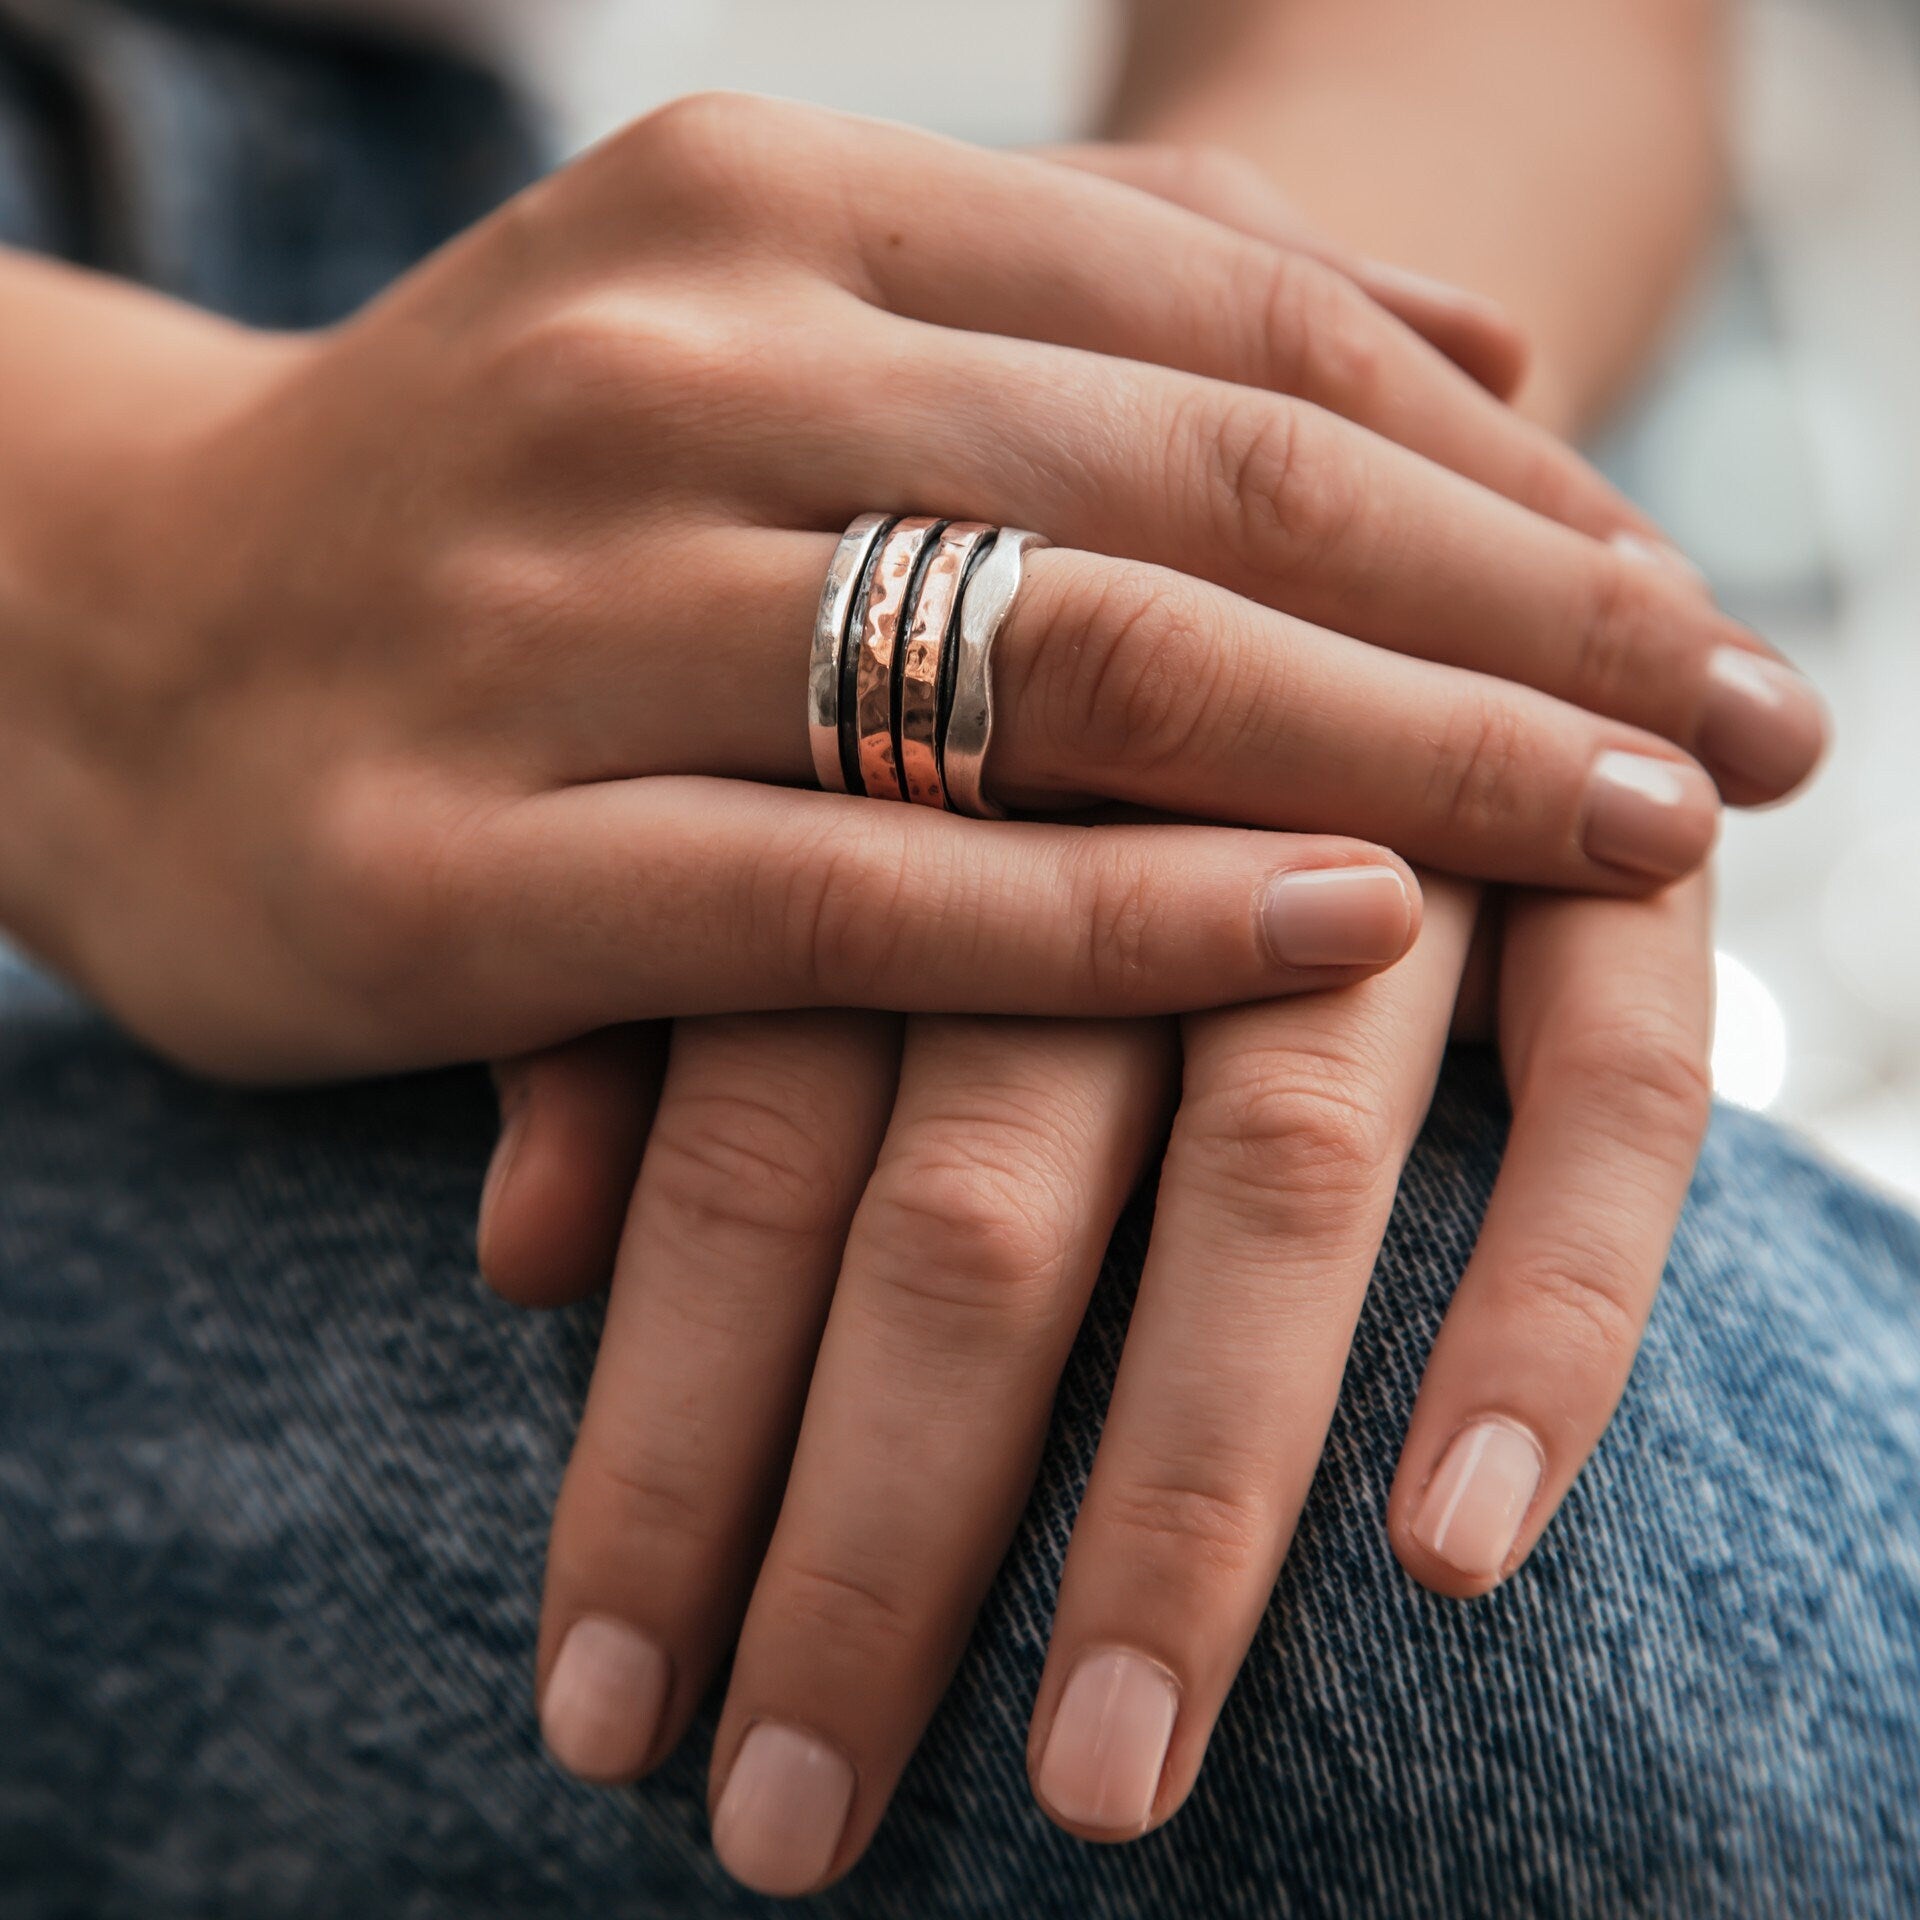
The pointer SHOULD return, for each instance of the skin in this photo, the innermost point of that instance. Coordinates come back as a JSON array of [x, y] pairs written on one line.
[[384, 754], [931, 1265], [379, 756]]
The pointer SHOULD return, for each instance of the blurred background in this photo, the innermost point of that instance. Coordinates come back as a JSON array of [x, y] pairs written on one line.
[[1780, 445]]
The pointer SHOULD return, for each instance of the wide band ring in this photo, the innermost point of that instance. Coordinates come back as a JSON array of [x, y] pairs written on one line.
[[900, 691]]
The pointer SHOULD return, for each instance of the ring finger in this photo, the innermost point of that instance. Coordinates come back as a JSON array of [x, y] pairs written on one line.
[[1012, 1150], [1119, 681]]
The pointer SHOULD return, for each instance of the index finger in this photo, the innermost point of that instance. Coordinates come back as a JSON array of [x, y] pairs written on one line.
[[1294, 1126]]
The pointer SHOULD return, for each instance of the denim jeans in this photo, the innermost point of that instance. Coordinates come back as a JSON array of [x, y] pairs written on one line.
[[275, 1470]]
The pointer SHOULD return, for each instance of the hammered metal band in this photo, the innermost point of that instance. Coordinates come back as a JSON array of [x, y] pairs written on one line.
[[896, 579], [900, 692], [988, 597], [845, 588], [921, 657]]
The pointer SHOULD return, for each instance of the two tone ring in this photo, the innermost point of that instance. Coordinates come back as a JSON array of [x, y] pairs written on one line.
[[900, 696]]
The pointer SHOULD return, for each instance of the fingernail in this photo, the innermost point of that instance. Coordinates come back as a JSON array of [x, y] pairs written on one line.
[[1101, 1768], [1761, 721], [510, 1085], [1653, 816], [1387, 278], [1338, 917], [779, 1821], [1658, 553], [1471, 1513], [601, 1711]]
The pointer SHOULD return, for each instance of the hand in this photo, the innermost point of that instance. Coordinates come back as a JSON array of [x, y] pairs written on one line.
[[403, 627], [835, 1332]]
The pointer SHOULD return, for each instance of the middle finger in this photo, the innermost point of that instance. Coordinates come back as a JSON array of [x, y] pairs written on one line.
[[1012, 1150]]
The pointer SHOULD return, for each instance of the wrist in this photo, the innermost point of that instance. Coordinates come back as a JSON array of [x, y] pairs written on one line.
[[108, 392]]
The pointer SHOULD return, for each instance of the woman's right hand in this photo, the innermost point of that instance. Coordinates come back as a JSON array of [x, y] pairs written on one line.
[[361, 760], [854, 1260]]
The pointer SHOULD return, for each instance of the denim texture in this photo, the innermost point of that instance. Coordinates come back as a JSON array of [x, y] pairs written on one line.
[[275, 1474], [275, 1471], [278, 173]]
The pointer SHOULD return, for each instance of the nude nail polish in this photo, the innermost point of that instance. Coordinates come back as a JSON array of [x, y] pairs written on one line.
[[1646, 552], [1473, 1508], [1649, 815], [601, 1710], [1338, 917], [1760, 721], [785, 1805], [1386, 278], [1104, 1755]]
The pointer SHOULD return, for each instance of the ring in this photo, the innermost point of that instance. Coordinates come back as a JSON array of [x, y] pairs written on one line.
[[900, 690]]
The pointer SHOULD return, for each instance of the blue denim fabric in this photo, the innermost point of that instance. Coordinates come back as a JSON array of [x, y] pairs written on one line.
[[275, 1475], [277, 173], [275, 1471]]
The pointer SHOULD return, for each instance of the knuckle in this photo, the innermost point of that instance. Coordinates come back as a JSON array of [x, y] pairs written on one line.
[[1280, 505], [970, 1226], [709, 146], [1136, 681], [838, 906], [591, 375], [1477, 787], [844, 1605], [1576, 1308], [1209, 178], [1179, 1527], [1609, 651], [733, 1160], [1323, 336], [1291, 1141], [1640, 1071], [1121, 918], [634, 1502]]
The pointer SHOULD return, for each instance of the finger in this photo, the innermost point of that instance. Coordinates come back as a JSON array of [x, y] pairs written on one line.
[[1476, 334], [572, 1122], [1023, 248], [1012, 1150], [672, 896], [1605, 1026], [1298, 509], [1145, 686], [766, 1132], [1294, 1124], [1126, 682]]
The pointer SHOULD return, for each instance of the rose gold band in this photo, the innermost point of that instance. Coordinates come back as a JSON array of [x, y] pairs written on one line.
[[894, 577], [919, 662], [900, 692]]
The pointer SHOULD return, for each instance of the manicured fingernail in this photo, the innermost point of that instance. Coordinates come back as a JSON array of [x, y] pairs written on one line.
[[1658, 553], [601, 1711], [1761, 722], [1389, 279], [1338, 917], [1653, 816], [1471, 1513], [1101, 1768], [780, 1818]]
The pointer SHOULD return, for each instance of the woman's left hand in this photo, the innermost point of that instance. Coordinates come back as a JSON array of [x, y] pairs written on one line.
[[854, 1265]]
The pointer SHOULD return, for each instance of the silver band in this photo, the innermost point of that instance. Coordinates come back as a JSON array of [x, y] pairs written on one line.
[[989, 598], [830, 643]]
